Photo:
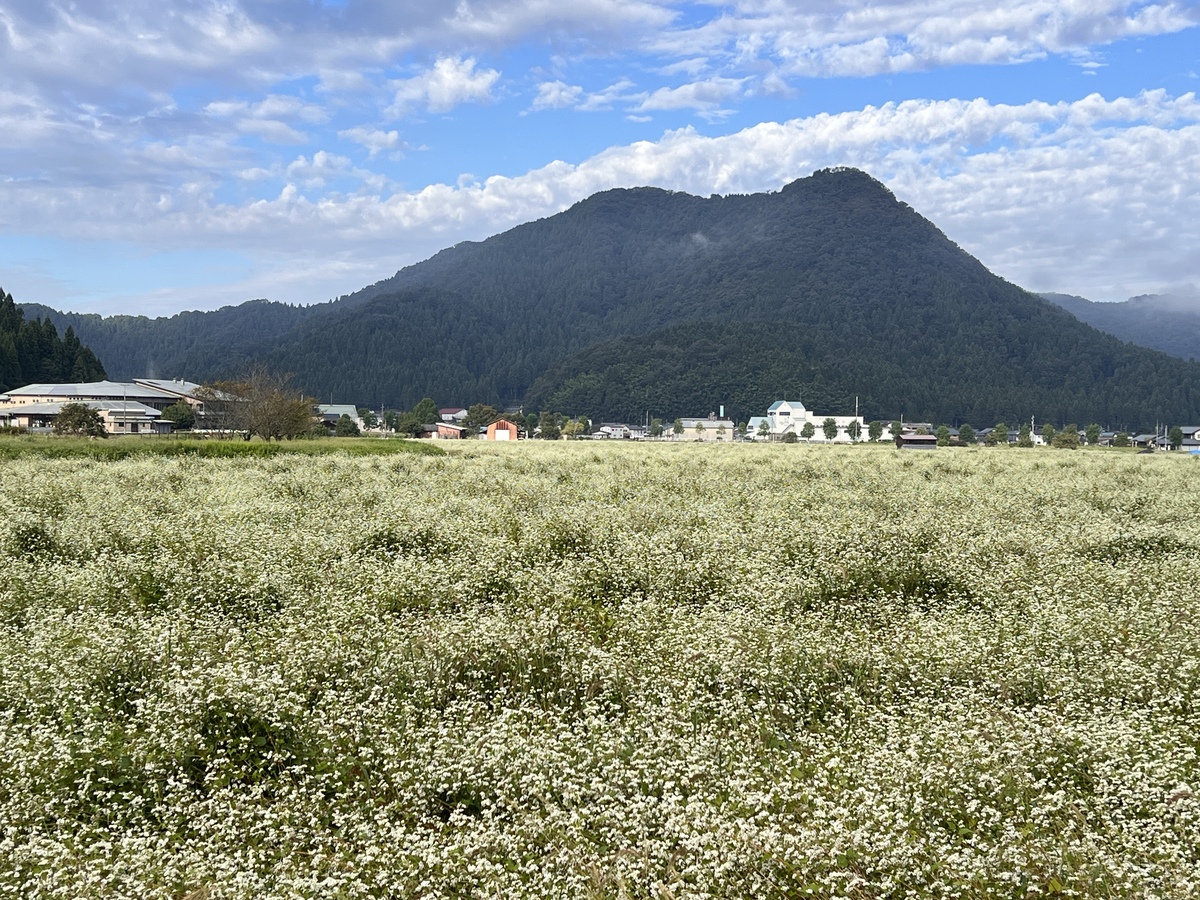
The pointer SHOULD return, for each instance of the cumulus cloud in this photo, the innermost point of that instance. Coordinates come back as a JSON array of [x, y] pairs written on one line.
[[374, 140], [1098, 197], [704, 96], [449, 83], [557, 95]]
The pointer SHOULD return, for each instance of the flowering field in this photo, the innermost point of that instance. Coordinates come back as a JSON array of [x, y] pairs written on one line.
[[601, 671]]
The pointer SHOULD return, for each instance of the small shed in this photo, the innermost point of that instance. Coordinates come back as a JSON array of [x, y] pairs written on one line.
[[916, 442], [502, 430]]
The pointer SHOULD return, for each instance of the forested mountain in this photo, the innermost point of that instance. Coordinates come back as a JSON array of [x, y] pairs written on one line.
[[650, 300], [194, 345], [1163, 322], [31, 352]]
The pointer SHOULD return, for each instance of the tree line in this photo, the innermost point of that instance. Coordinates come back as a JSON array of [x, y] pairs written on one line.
[[31, 351]]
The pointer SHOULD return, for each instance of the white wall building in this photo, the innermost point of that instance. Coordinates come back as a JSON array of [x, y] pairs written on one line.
[[790, 416]]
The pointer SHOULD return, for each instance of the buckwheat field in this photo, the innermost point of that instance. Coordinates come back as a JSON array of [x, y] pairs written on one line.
[[584, 670]]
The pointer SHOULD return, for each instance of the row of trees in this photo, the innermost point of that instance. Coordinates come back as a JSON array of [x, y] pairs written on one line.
[[31, 352]]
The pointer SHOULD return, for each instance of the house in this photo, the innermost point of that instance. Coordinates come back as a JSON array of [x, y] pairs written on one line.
[[453, 414], [330, 413], [612, 431], [447, 431], [790, 416], [502, 430]]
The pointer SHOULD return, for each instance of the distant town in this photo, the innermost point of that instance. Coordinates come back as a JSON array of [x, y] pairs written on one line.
[[268, 408]]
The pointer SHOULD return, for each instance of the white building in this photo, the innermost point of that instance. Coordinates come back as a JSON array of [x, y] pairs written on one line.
[[707, 429], [790, 416]]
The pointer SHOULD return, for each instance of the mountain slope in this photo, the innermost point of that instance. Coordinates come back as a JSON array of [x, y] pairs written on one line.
[[201, 346], [1159, 321], [650, 299]]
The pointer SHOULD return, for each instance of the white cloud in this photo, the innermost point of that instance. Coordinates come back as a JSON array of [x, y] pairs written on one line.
[[1098, 197], [556, 95], [703, 96], [449, 83], [374, 140]]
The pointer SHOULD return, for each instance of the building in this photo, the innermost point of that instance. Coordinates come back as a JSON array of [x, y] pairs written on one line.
[[452, 414], [502, 430], [790, 416], [98, 391], [710, 429], [331, 413], [118, 416]]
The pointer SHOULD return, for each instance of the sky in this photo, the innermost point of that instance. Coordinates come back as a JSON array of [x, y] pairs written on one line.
[[163, 155]]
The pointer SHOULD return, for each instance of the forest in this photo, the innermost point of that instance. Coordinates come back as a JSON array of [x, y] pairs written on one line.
[[31, 352]]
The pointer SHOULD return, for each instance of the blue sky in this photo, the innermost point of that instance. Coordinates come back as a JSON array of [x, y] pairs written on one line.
[[161, 156]]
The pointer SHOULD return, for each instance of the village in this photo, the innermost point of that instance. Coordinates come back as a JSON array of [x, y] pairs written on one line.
[[151, 406]]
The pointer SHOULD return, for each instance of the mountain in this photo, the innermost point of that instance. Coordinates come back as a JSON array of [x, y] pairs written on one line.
[[31, 352], [1166, 322], [646, 300], [202, 346]]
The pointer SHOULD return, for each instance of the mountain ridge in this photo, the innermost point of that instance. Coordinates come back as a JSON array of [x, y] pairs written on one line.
[[865, 298]]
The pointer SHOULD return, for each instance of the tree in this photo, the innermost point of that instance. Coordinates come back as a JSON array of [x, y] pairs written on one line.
[[1121, 439], [573, 429], [721, 432], [479, 415], [549, 424], [656, 428], [1093, 434], [764, 429], [699, 430], [180, 415], [408, 423], [854, 430], [741, 430], [896, 429], [874, 430], [789, 437], [998, 435], [943, 436], [966, 434], [346, 427], [263, 404], [807, 431], [427, 412], [1048, 433], [1067, 439], [1025, 436], [1175, 437], [79, 419], [829, 427], [369, 419], [677, 427]]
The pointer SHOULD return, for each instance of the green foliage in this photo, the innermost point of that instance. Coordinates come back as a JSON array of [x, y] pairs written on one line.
[[1067, 439], [426, 412], [656, 427], [346, 427], [1025, 435], [181, 415], [550, 425], [789, 437], [943, 436], [1048, 433], [369, 419], [480, 415], [263, 404], [874, 430], [1175, 437], [807, 431], [829, 429], [1093, 434], [896, 429], [966, 435], [79, 420], [854, 430], [31, 351], [1121, 439]]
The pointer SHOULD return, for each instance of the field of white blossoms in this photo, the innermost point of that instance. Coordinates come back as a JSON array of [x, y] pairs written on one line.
[[601, 671]]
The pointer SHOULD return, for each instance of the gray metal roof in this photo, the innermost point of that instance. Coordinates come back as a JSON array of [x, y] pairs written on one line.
[[97, 390]]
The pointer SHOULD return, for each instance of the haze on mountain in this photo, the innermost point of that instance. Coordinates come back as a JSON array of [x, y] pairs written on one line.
[[639, 302], [1166, 322]]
